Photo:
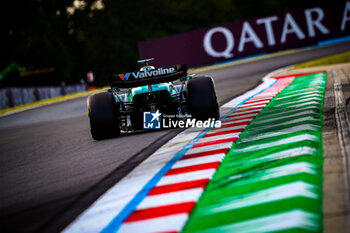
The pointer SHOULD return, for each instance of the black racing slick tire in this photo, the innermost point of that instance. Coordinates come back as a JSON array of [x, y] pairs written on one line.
[[201, 98], [103, 116]]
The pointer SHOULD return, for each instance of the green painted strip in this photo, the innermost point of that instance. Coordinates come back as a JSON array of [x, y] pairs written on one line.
[[268, 115], [288, 116], [305, 128], [273, 223], [271, 179]]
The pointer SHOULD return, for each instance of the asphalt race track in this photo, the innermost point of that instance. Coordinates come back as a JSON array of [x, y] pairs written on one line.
[[51, 169]]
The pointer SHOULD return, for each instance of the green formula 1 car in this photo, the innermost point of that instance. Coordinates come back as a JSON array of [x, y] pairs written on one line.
[[168, 90]]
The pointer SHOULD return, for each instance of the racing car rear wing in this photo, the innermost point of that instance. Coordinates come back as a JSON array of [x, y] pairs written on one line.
[[142, 78]]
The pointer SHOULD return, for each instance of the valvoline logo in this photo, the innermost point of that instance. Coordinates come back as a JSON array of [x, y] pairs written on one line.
[[147, 74], [124, 76]]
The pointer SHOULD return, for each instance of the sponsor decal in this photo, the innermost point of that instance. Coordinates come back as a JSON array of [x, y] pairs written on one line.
[[148, 73], [124, 76]]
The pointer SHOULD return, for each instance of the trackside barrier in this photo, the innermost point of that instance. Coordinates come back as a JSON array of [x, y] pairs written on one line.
[[15, 96], [319, 25]]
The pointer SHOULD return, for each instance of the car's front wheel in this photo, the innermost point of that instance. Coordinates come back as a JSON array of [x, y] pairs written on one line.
[[103, 115]]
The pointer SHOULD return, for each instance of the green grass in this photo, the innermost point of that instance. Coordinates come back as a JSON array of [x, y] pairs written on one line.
[[330, 60]]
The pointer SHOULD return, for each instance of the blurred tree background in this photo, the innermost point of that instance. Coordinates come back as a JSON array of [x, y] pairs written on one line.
[[78, 36]]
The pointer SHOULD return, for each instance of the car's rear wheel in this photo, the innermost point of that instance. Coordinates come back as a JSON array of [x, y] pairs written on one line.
[[103, 116], [201, 98]]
